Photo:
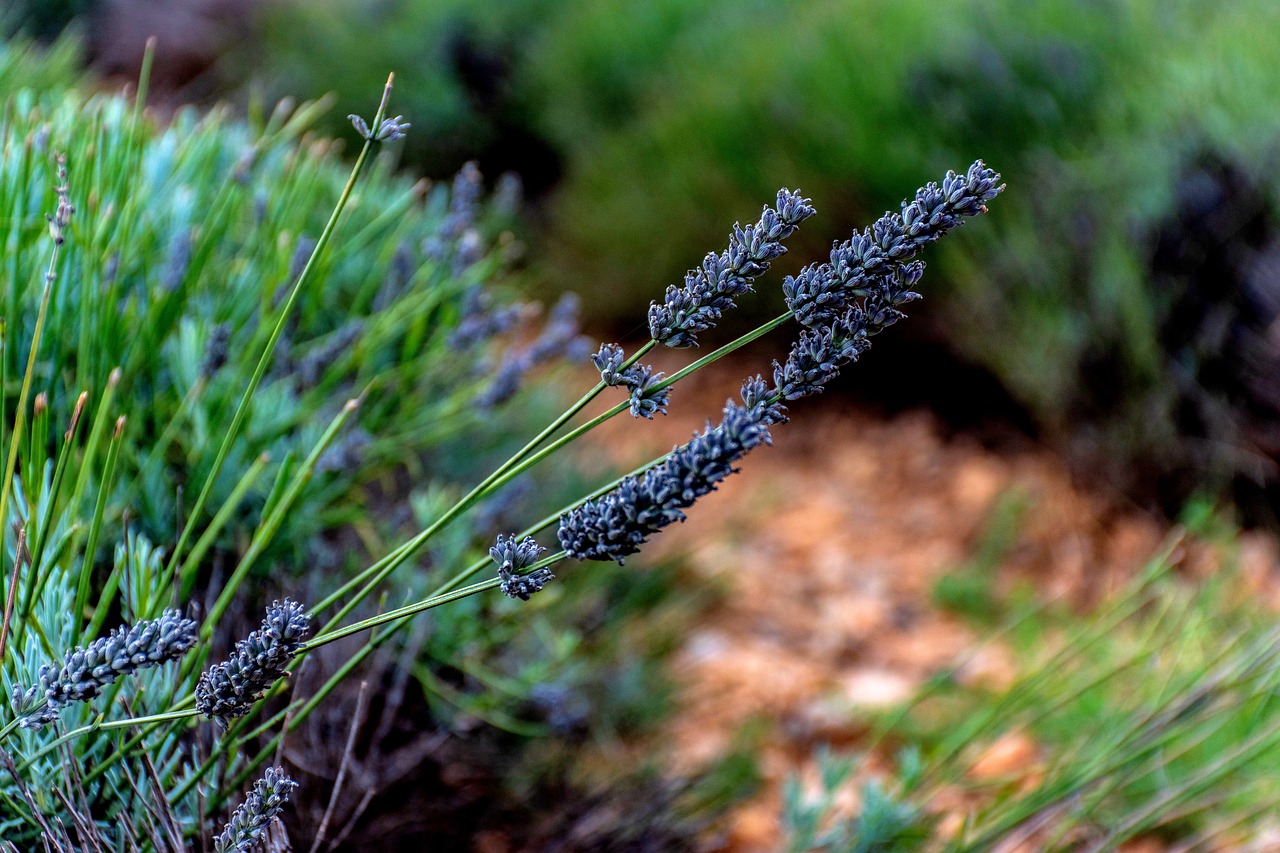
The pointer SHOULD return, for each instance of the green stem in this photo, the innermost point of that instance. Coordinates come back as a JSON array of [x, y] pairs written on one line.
[[417, 607], [273, 520], [242, 410], [522, 461], [19, 414]]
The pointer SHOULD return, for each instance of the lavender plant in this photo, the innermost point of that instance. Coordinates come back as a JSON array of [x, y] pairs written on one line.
[[840, 305], [143, 291]]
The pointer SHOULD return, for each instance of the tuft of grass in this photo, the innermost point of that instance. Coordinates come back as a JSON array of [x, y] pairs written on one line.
[[1153, 716], [969, 589]]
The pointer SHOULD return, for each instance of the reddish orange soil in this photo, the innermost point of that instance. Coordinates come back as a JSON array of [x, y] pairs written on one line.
[[827, 547]]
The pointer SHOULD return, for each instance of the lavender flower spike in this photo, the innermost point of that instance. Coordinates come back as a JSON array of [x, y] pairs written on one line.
[[86, 671], [615, 525], [229, 689], [822, 292], [709, 290], [244, 832], [511, 557]]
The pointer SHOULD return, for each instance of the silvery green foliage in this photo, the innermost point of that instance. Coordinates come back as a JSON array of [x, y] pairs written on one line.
[[858, 266], [639, 380], [616, 524], [512, 556], [709, 290], [230, 688], [244, 832], [86, 671]]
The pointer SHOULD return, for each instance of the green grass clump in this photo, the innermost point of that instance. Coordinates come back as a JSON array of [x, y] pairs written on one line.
[[1155, 715], [184, 245]]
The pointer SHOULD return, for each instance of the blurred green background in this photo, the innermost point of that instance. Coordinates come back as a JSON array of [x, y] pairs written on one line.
[[1128, 288]]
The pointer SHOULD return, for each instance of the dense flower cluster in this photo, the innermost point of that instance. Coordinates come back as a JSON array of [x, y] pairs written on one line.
[[858, 266], [840, 304], [512, 557], [709, 290], [615, 525], [229, 689], [244, 832], [874, 266], [85, 672]]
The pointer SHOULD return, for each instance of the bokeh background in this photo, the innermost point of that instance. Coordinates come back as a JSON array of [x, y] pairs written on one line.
[[1127, 291], [1095, 361]]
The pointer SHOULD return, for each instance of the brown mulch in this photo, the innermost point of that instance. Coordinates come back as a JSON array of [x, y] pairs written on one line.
[[827, 548]]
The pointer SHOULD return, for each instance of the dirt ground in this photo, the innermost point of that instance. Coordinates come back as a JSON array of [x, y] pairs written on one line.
[[828, 546]]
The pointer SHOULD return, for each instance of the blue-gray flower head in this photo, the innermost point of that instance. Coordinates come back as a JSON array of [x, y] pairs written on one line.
[[389, 130], [709, 289], [464, 202], [616, 524], [821, 292], [61, 217], [483, 320], [523, 586], [86, 671], [758, 396], [392, 129], [245, 831], [230, 688], [559, 338], [646, 399], [512, 557], [608, 360]]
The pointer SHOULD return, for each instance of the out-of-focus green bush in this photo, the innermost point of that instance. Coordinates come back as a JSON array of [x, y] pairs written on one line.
[[1124, 306]]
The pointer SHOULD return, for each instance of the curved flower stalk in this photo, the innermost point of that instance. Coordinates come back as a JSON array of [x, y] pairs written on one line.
[[229, 689], [615, 526], [86, 671]]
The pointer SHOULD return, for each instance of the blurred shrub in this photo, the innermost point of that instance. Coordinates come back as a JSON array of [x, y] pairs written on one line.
[[1152, 718], [1121, 318]]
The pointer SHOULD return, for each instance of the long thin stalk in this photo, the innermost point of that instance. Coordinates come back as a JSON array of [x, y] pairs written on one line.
[[264, 362], [521, 461], [19, 415]]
